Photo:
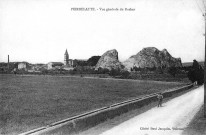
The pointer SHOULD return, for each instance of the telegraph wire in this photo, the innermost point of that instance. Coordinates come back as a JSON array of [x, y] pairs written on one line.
[[204, 4], [198, 6]]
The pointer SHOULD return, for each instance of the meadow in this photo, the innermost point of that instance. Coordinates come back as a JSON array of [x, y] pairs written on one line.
[[28, 102]]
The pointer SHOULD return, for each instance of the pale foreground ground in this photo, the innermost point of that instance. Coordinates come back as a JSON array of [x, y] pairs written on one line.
[[171, 119]]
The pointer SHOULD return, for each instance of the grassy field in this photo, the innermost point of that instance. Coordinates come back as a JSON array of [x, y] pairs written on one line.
[[28, 102]]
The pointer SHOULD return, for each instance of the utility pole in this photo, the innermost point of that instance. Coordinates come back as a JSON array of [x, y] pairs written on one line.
[[205, 70]]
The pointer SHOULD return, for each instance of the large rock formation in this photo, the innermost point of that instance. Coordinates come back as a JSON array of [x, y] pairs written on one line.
[[152, 57], [93, 60], [109, 60]]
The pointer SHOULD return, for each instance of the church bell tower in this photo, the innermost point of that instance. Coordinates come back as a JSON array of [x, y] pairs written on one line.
[[66, 58]]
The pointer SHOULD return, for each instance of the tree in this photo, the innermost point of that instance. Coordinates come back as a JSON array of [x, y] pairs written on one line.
[[191, 76], [200, 74], [159, 70], [195, 65], [172, 70], [131, 69], [124, 74], [103, 70], [196, 73], [136, 68], [114, 72], [152, 68]]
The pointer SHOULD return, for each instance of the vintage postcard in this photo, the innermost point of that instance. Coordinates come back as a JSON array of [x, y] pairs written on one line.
[[102, 67]]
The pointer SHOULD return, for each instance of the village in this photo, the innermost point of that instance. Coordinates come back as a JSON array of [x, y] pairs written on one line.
[[68, 64]]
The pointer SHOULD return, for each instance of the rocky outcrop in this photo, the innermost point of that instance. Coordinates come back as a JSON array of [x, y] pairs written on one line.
[[152, 57], [109, 60], [93, 60]]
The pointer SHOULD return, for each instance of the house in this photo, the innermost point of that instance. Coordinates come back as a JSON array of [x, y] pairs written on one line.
[[52, 65], [39, 67], [24, 66]]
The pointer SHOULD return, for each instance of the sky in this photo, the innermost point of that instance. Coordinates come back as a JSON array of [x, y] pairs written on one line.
[[39, 31]]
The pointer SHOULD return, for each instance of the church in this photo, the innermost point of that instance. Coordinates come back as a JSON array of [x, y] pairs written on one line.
[[68, 62]]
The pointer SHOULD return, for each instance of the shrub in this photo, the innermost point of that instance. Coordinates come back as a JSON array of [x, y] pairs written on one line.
[[196, 75], [159, 70], [125, 74], [114, 72], [172, 71], [103, 70]]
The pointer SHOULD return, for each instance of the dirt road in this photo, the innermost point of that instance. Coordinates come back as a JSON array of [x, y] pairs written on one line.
[[171, 119]]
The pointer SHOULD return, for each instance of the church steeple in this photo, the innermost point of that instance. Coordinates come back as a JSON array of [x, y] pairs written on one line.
[[66, 53], [66, 58]]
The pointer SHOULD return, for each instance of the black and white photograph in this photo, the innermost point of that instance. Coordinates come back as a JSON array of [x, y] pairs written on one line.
[[102, 67]]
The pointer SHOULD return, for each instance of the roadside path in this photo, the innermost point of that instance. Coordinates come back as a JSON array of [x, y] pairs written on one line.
[[171, 119]]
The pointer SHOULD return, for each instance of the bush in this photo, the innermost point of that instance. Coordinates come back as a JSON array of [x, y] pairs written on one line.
[[159, 70], [72, 72], [172, 71], [196, 75], [44, 71], [103, 70], [125, 74], [152, 69], [114, 72], [136, 68]]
